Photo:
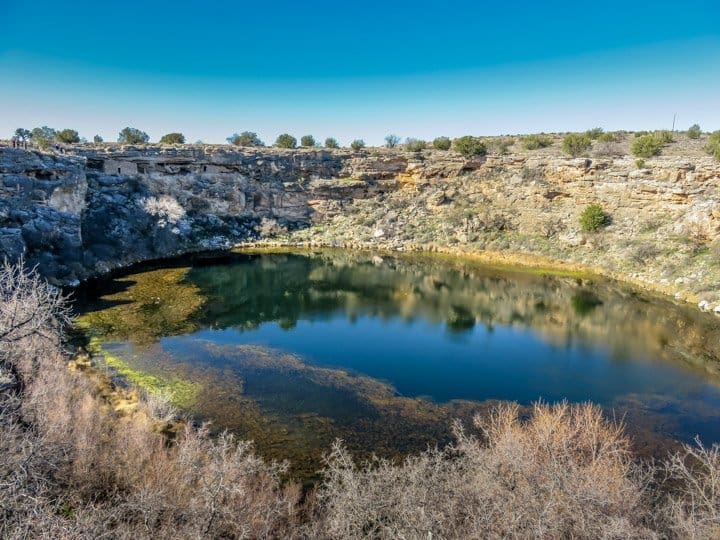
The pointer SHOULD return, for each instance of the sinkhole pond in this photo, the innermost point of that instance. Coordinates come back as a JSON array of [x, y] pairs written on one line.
[[296, 349]]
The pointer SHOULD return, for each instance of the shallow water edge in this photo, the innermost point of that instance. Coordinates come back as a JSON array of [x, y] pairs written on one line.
[[154, 309]]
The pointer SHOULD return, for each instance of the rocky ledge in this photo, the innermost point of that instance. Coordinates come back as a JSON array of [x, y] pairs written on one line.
[[93, 208], [89, 210]]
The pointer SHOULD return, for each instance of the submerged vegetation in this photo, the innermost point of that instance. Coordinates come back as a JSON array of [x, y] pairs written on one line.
[[72, 467], [154, 304], [181, 392]]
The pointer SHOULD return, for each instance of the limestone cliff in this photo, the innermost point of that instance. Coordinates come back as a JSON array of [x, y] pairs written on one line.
[[95, 208]]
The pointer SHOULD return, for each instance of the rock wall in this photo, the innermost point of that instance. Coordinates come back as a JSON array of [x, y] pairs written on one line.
[[95, 208], [42, 199], [664, 217], [90, 210]]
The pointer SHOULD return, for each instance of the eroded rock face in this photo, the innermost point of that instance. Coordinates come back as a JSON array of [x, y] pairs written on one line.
[[98, 208], [41, 201], [91, 210]]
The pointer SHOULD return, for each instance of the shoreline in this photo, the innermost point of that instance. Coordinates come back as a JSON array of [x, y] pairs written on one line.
[[500, 262], [118, 459], [506, 261]]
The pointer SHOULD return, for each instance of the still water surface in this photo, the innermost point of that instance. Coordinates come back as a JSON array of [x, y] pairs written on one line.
[[295, 350]]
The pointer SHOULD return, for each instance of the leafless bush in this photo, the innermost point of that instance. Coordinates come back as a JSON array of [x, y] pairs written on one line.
[[200, 487], [270, 227], [26, 467], [230, 491], [608, 149], [645, 252], [71, 467], [533, 174], [567, 472], [159, 406], [715, 251], [29, 308], [693, 507], [165, 208], [550, 227]]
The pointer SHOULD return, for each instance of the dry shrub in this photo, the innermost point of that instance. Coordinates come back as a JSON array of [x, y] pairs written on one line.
[[71, 467], [692, 509], [230, 491], [566, 472], [608, 149], [199, 487], [645, 252], [270, 227], [158, 405], [165, 208], [30, 309]]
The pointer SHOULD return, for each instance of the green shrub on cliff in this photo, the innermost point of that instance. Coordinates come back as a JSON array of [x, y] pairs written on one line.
[[307, 140], [331, 142], [442, 143], [97, 139], [609, 137], [470, 146], [593, 217], [576, 145], [357, 144], [391, 141], [246, 138], [414, 145], [42, 136], [22, 134], [500, 145], [533, 142], [131, 135], [713, 145], [665, 136], [285, 141], [694, 131], [172, 138], [67, 136], [646, 146], [594, 133]]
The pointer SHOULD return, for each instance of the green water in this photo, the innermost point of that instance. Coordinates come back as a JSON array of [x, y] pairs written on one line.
[[295, 350]]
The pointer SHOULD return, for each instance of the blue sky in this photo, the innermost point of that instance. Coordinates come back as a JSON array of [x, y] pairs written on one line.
[[357, 69]]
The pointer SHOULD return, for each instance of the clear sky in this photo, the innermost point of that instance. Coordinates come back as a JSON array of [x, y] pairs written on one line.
[[357, 69]]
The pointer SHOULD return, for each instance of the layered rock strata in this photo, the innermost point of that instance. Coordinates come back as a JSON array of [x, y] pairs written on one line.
[[96, 208]]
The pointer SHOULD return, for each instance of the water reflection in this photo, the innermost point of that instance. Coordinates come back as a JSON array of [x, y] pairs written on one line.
[[294, 350], [286, 288]]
